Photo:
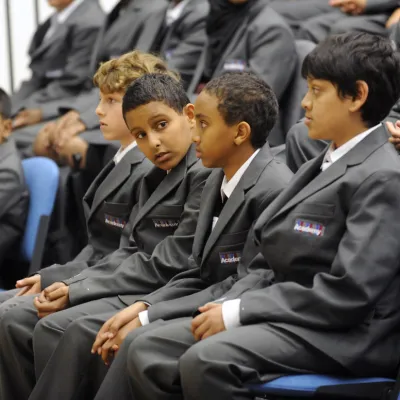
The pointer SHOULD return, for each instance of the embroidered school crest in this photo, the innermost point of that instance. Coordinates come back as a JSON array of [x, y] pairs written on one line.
[[230, 257], [309, 227], [165, 223], [114, 221]]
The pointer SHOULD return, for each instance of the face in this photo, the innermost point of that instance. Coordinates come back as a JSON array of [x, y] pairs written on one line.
[[163, 135], [59, 4], [214, 139], [112, 122], [326, 112], [5, 128]]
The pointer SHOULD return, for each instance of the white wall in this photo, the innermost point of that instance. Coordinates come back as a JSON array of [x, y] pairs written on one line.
[[22, 25]]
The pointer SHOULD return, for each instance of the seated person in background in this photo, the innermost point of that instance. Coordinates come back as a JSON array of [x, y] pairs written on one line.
[[14, 198], [247, 36], [114, 192], [162, 226], [176, 30], [235, 113], [368, 16], [326, 300], [60, 58]]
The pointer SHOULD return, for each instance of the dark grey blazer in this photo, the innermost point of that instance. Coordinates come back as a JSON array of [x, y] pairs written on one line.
[[14, 198], [107, 205], [162, 230], [380, 6], [262, 44], [332, 241], [60, 65], [216, 254]]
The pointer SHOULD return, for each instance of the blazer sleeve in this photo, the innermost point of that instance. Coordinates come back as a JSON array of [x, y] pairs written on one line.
[[142, 273], [366, 262], [380, 6], [10, 190], [269, 50]]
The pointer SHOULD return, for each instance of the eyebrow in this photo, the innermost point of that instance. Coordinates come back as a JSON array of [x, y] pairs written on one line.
[[201, 116], [151, 119]]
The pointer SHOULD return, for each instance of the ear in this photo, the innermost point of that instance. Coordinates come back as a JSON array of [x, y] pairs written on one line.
[[243, 133], [362, 95], [189, 112]]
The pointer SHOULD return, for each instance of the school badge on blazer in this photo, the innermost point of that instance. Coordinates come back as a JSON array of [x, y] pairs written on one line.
[[166, 223], [235, 65], [116, 222], [232, 257], [309, 227]]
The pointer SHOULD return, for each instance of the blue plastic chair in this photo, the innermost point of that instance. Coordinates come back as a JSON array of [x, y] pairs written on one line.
[[42, 180], [326, 387]]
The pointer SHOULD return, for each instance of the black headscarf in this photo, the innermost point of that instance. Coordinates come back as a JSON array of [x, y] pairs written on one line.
[[223, 21]]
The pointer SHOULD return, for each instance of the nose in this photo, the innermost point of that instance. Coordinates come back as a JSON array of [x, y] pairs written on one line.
[[306, 102], [196, 136], [99, 109], [154, 140]]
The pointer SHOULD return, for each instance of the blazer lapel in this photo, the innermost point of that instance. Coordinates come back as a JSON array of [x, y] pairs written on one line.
[[211, 194], [167, 185]]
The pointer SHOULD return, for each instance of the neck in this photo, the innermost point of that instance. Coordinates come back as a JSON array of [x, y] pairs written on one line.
[[237, 160], [351, 132], [125, 143]]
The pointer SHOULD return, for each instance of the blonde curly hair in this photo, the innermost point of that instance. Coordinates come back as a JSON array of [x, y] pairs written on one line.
[[118, 74]]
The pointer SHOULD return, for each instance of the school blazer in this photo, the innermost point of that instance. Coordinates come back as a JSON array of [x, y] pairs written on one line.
[[332, 241], [162, 227], [380, 6], [107, 205], [185, 39], [216, 254], [60, 65], [14, 198], [262, 44]]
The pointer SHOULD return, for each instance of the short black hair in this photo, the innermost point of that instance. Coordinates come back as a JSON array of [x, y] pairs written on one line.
[[243, 96], [345, 59], [155, 87], [5, 105]]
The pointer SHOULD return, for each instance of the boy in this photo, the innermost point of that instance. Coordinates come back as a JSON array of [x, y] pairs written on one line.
[[112, 195], [13, 192], [234, 115], [162, 226], [331, 240]]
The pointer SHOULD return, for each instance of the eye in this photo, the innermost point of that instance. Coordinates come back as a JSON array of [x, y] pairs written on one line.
[[111, 100], [203, 125], [162, 125], [140, 135], [315, 90]]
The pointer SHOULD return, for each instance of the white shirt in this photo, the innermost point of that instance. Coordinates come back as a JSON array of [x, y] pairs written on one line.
[[122, 152], [227, 188], [60, 17], [174, 12], [332, 155]]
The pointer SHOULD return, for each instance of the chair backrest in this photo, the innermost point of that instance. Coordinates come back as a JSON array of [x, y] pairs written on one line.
[[42, 179]]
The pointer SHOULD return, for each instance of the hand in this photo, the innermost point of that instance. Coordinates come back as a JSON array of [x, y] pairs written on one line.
[[52, 299], [69, 126], [209, 322], [394, 18], [394, 130], [45, 135], [354, 7], [75, 145], [27, 117], [30, 285], [112, 346], [111, 327]]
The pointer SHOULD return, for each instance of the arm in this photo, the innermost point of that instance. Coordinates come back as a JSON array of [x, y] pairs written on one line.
[[380, 6], [366, 262], [142, 273], [10, 190]]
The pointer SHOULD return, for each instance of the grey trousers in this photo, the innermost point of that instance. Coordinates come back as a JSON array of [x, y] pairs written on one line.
[[163, 361], [27, 343], [335, 22]]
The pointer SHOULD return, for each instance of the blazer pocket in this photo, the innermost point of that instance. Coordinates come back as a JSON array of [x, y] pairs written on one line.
[[163, 211], [116, 209], [317, 209], [232, 239]]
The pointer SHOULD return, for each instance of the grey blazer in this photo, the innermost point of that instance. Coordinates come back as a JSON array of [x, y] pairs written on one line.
[[381, 6], [162, 227], [332, 242], [216, 255], [60, 65], [14, 198], [107, 205], [262, 44]]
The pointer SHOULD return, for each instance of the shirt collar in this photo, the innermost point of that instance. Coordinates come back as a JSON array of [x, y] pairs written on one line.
[[122, 152], [174, 12], [228, 187], [63, 15], [332, 155]]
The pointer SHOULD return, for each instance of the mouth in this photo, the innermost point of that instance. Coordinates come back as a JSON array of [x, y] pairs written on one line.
[[307, 120], [198, 153], [162, 157], [102, 124]]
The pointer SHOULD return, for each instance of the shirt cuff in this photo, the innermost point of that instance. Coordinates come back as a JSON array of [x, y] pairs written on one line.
[[144, 317], [231, 314]]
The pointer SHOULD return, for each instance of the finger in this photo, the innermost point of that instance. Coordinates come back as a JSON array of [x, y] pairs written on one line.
[[25, 282], [23, 291], [397, 146], [201, 330], [46, 306], [42, 297], [56, 294], [198, 321], [105, 351], [100, 340], [207, 334]]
